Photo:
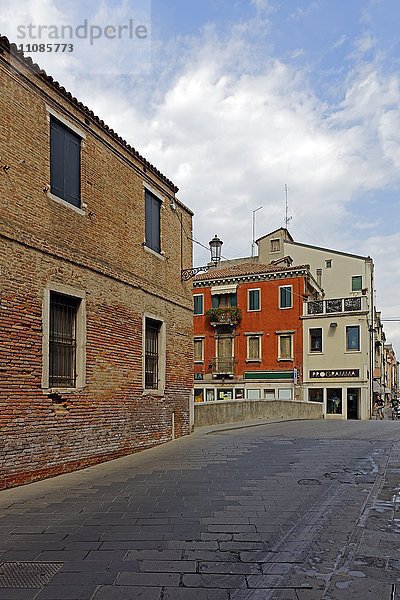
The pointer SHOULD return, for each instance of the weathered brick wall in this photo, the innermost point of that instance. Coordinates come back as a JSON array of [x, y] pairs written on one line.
[[100, 253]]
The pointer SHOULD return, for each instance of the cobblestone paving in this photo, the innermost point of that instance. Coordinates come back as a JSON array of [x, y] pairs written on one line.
[[279, 511]]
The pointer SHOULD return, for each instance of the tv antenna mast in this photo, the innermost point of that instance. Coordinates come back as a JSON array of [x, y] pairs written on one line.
[[253, 231], [287, 219]]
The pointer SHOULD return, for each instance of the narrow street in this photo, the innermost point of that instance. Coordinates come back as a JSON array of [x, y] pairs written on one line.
[[301, 510]]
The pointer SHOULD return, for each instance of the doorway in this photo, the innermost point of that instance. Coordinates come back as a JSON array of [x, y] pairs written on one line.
[[353, 403]]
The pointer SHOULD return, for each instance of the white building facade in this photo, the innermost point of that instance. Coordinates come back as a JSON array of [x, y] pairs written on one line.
[[338, 332]]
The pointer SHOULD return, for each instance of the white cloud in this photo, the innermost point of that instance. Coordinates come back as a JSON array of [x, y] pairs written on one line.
[[364, 43], [297, 53], [231, 124], [340, 41], [385, 251]]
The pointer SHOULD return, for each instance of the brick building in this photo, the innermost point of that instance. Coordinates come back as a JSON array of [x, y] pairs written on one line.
[[95, 325], [248, 331]]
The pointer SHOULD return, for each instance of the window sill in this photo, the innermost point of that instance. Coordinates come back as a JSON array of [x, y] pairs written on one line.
[[159, 255], [62, 391], [253, 360], [80, 211], [285, 359], [285, 307], [155, 393], [254, 310], [199, 362]]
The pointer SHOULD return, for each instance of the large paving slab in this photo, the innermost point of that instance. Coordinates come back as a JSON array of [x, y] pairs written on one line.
[[291, 510]]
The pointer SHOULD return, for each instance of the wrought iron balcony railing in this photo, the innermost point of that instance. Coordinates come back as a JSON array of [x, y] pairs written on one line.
[[223, 366], [229, 315], [336, 305]]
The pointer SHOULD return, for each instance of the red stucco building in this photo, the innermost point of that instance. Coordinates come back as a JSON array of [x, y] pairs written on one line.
[[248, 338]]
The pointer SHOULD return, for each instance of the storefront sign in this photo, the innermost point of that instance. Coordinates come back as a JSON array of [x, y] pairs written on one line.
[[334, 373], [198, 376], [271, 375]]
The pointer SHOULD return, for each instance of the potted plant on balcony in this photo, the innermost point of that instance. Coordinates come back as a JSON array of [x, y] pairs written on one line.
[[230, 315]]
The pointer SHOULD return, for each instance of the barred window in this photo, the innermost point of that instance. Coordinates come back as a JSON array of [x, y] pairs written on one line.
[[152, 353], [62, 340]]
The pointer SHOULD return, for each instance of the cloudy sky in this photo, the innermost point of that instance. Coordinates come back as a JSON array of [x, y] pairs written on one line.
[[233, 99]]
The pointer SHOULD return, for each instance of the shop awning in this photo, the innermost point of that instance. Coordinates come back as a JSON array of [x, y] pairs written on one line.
[[223, 289], [377, 388]]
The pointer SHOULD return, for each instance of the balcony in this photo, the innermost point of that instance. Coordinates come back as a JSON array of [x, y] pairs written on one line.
[[335, 306], [223, 366], [229, 315]]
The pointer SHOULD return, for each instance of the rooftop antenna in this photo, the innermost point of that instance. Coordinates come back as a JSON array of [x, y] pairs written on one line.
[[287, 219], [253, 241]]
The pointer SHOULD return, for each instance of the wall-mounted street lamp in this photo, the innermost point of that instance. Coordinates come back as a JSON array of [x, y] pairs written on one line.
[[215, 249]]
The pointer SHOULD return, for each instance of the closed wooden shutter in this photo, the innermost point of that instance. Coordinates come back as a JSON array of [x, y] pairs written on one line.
[[152, 209], [65, 163]]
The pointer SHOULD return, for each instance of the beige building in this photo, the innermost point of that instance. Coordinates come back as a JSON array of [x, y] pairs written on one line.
[[337, 328], [391, 373]]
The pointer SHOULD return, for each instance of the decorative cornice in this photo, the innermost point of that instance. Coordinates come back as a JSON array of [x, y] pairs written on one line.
[[251, 277]]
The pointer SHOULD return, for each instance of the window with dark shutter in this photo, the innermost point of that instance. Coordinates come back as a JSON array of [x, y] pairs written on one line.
[[285, 296], [62, 342], [153, 206], [65, 163], [254, 300], [198, 301]]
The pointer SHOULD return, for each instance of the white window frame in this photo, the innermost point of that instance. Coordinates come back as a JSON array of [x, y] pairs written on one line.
[[279, 243], [290, 394], [225, 335], [346, 349], [280, 335], [202, 305], [254, 335], [199, 338], [291, 297], [162, 356], [322, 403], [80, 356], [312, 352], [356, 277], [254, 390], [259, 300]]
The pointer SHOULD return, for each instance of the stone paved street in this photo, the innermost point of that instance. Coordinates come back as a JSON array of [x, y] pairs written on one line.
[[299, 510]]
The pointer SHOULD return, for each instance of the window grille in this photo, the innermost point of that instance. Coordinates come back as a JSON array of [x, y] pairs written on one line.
[[62, 341], [151, 354]]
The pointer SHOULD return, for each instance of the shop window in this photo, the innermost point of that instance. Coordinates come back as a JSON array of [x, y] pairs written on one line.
[[316, 395], [334, 401]]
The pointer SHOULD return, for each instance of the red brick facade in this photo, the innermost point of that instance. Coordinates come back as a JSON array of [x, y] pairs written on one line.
[[269, 322], [99, 251]]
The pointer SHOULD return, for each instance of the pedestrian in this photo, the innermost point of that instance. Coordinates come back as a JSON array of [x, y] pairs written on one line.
[[394, 405], [379, 405]]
